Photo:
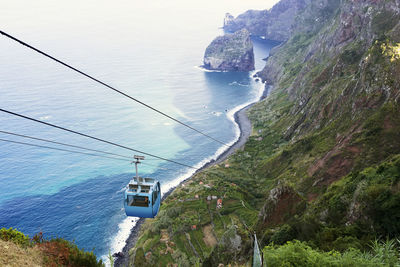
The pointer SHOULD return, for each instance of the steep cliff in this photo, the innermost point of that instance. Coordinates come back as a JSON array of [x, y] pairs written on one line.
[[323, 164], [337, 110], [230, 52], [275, 24]]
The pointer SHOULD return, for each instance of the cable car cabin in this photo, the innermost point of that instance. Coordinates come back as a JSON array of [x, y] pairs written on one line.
[[142, 198]]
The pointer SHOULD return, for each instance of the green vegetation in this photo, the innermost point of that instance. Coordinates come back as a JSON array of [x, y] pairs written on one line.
[[53, 252], [319, 179], [189, 226], [61, 252], [384, 21], [344, 215], [14, 236], [300, 254], [322, 165]]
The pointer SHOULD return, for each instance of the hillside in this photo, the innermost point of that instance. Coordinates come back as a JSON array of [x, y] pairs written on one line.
[[17, 249], [323, 163]]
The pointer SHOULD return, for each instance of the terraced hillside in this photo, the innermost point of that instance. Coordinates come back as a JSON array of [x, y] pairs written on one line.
[[323, 163]]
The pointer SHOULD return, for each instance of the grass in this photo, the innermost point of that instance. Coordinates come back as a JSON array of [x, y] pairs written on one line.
[[13, 255], [17, 249], [298, 253]]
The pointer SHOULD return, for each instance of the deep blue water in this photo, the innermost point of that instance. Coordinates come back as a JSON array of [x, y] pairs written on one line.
[[140, 49]]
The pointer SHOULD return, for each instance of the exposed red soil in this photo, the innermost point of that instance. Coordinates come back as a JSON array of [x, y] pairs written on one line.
[[311, 197], [57, 253], [387, 123], [338, 161], [285, 206], [338, 167]]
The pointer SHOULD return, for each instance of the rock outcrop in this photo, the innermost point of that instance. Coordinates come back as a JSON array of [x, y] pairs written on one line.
[[282, 200], [274, 24], [228, 19], [231, 52]]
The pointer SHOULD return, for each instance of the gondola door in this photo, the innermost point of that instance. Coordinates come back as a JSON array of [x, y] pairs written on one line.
[[156, 199]]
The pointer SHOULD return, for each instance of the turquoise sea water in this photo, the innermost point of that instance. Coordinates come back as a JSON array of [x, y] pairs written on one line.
[[149, 50]]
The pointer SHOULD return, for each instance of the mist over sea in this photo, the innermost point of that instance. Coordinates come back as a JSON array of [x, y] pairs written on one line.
[[148, 49]]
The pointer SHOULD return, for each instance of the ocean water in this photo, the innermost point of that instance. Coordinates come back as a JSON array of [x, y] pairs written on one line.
[[149, 50]]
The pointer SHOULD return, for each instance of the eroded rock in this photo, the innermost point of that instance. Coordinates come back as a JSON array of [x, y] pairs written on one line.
[[231, 52]]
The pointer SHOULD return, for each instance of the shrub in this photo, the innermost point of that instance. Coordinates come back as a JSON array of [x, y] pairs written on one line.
[[385, 251], [300, 254], [57, 252], [284, 234], [351, 56], [62, 252], [15, 236]]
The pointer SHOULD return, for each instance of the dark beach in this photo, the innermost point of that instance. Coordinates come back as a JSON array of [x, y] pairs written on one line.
[[245, 127]]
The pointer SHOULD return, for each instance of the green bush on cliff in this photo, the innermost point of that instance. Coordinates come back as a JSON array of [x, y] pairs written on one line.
[[55, 252], [298, 253], [372, 192], [15, 236], [284, 234], [79, 257]]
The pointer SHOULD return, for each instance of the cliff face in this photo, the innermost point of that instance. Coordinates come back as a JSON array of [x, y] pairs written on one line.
[[336, 106], [275, 24], [350, 48], [324, 163], [231, 52]]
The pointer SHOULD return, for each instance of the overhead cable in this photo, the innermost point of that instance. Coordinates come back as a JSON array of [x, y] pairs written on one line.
[[61, 149], [109, 86], [64, 144], [80, 147], [94, 138]]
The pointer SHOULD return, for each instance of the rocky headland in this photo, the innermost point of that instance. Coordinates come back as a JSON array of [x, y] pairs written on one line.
[[230, 52], [277, 24]]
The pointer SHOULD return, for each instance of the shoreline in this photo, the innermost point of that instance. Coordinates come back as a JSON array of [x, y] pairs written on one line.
[[245, 129]]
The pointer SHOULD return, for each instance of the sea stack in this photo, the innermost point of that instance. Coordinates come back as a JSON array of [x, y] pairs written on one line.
[[230, 52]]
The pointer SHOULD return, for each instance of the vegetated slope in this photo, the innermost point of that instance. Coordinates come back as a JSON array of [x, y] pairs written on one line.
[[323, 163], [17, 249], [13, 255]]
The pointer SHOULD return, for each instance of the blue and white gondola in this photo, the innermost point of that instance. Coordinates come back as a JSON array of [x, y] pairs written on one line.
[[142, 196]]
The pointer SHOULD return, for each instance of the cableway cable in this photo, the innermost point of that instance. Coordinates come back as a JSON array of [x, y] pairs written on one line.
[[94, 138], [64, 144], [80, 147], [110, 87], [61, 149]]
